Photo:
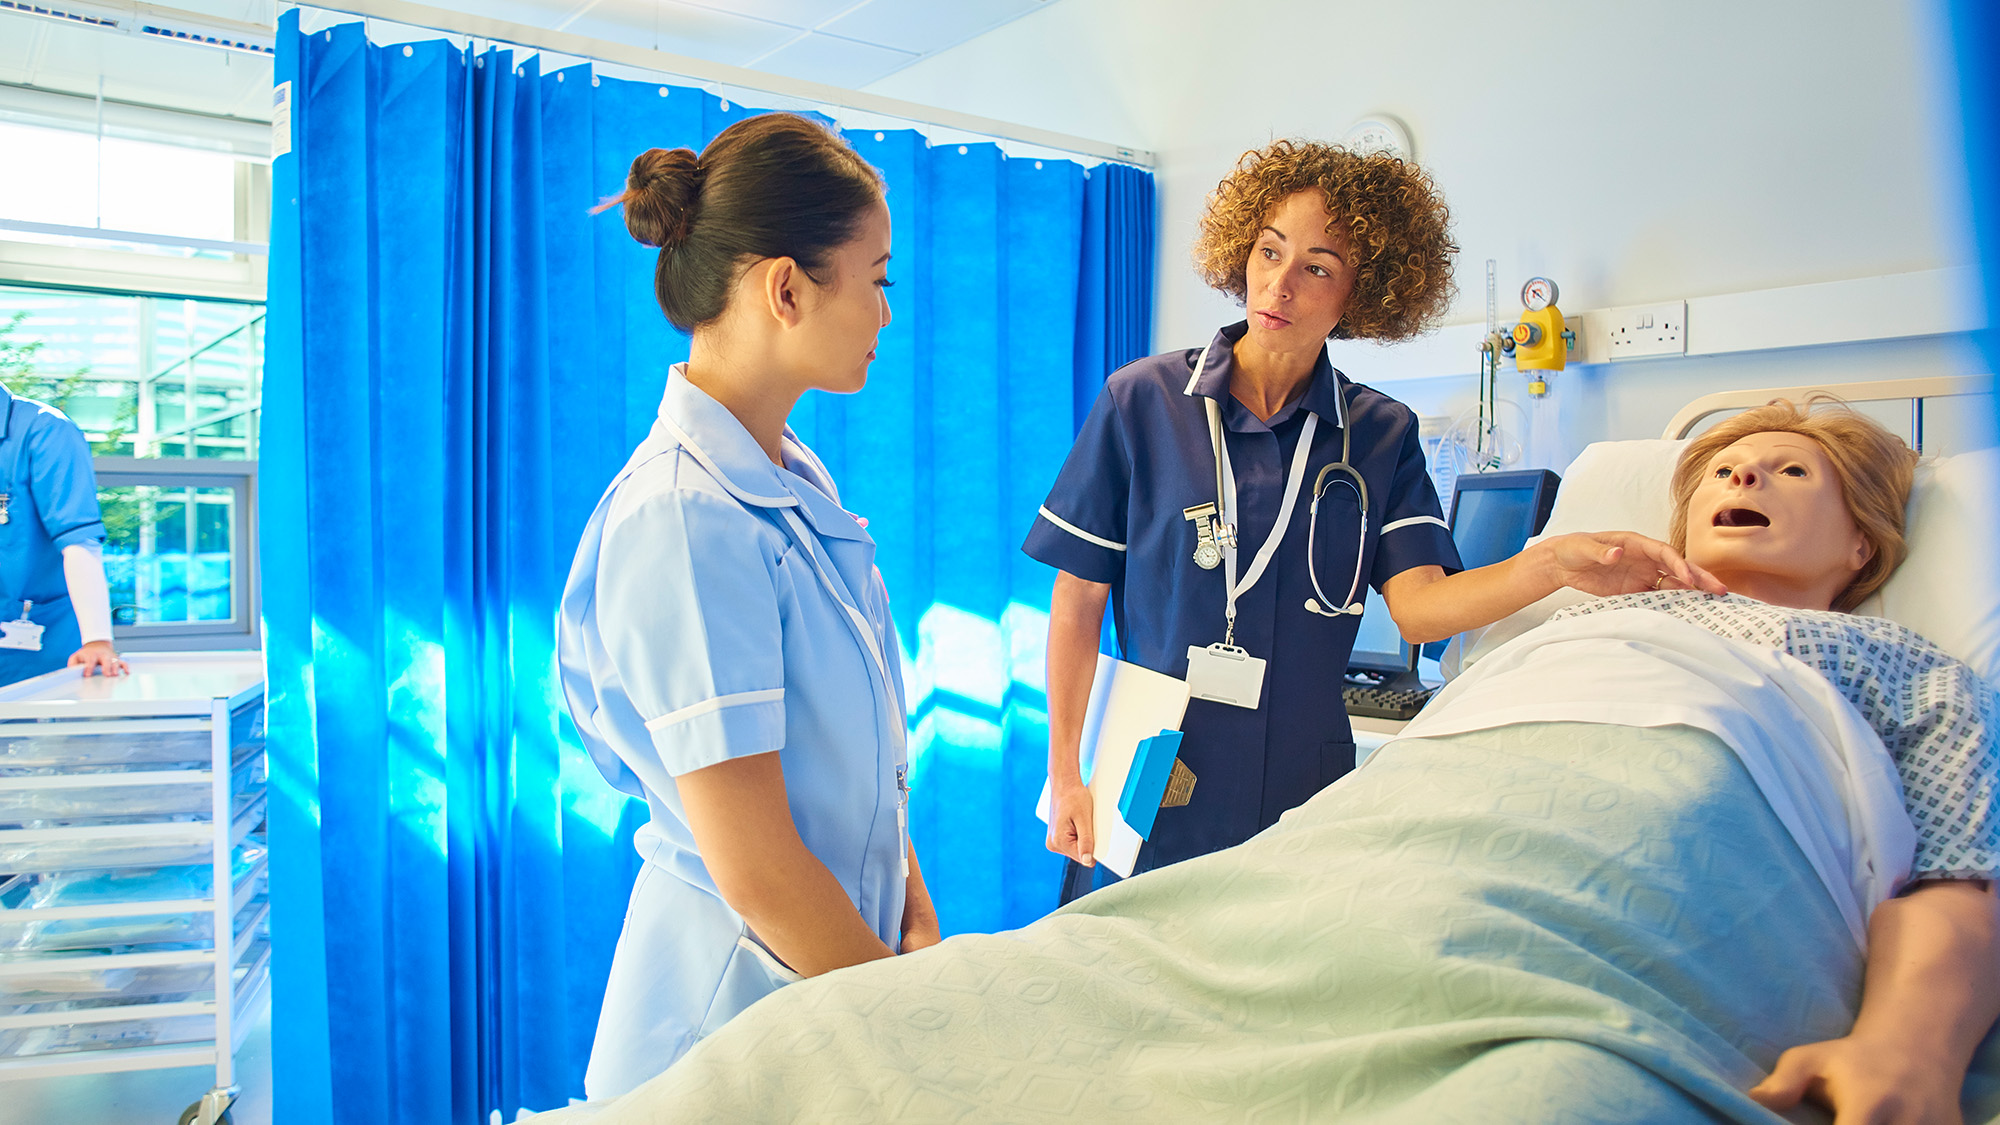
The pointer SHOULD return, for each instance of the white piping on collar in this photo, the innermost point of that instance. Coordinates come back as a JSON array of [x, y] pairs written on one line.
[[1339, 394], [722, 478]]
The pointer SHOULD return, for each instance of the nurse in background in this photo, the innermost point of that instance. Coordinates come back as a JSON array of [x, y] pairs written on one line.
[[725, 642], [1321, 479], [55, 607]]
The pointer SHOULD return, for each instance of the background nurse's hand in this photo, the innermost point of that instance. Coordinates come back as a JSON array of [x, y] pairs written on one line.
[[98, 658], [1071, 823], [1622, 562]]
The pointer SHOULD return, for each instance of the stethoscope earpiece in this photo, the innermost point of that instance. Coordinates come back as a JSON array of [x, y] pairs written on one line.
[[1353, 609]]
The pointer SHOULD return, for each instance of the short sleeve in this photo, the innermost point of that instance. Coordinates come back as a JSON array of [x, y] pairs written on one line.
[[62, 482], [1081, 527], [1414, 532], [1949, 762], [687, 609]]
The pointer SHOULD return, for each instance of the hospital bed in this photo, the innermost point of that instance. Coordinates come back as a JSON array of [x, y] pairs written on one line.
[[1548, 923]]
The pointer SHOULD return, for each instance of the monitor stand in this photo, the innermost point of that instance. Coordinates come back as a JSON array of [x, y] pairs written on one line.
[[1406, 680]]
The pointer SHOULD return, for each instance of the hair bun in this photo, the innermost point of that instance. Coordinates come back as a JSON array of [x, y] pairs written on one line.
[[662, 193]]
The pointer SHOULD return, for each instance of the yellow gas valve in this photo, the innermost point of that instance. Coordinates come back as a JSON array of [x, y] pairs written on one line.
[[1541, 340]]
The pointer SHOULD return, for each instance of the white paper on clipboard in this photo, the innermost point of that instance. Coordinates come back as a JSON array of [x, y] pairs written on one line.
[[1128, 704]]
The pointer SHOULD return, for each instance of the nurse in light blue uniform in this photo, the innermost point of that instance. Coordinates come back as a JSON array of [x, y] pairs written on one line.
[[725, 640]]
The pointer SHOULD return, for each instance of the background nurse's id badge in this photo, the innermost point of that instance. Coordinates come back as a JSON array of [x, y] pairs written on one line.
[[1225, 674], [23, 634]]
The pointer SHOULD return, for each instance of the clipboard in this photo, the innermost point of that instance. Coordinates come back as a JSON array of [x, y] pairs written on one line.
[[1131, 734]]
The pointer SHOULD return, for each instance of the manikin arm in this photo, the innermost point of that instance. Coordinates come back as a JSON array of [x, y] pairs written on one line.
[[1930, 995]]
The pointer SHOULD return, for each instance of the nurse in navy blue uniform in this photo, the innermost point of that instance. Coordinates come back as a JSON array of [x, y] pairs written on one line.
[[1245, 466]]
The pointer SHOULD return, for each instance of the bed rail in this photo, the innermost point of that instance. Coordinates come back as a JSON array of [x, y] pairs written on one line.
[[1880, 390]]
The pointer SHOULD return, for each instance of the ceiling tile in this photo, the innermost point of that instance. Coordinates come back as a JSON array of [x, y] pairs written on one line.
[[684, 29], [135, 69], [924, 26], [793, 13], [834, 61]]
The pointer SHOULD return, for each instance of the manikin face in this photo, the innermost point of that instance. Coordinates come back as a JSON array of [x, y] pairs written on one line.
[[1299, 277], [844, 316], [1769, 520]]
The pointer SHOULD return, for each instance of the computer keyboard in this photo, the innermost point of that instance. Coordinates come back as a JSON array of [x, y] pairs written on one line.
[[1384, 702]]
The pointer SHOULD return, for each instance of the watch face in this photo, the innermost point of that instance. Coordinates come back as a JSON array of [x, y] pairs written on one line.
[[1207, 556], [1539, 293]]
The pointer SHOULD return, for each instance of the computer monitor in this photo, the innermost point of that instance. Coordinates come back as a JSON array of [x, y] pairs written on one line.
[[1493, 515], [1379, 651]]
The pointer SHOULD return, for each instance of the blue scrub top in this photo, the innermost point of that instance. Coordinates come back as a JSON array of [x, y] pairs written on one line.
[[721, 607], [51, 493], [1115, 516]]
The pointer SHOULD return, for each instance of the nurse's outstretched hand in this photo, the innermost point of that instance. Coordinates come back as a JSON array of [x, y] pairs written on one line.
[[1622, 562], [99, 658], [1071, 820]]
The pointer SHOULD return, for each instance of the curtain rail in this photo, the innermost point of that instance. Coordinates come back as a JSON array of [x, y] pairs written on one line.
[[603, 50]]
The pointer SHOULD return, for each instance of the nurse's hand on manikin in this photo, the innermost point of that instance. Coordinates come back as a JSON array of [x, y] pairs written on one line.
[[1621, 562]]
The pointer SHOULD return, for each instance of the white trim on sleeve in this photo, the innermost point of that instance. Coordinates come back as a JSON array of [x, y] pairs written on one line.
[[1392, 526], [695, 710], [1077, 531]]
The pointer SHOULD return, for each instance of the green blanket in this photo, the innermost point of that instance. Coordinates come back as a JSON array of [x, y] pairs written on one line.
[[1545, 923]]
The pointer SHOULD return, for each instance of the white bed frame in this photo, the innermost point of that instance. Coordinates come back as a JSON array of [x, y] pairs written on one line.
[[1881, 390]]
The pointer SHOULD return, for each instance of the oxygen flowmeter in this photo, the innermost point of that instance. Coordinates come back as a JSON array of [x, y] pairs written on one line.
[[1540, 341]]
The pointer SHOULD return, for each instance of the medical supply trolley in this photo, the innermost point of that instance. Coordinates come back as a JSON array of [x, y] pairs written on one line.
[[133, 905]]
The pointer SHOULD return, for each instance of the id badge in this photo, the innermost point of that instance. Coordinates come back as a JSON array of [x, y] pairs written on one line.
[[24, 635], [1225, 674]]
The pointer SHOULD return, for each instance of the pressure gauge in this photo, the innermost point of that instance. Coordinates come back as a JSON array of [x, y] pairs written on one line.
[[1539, 293]]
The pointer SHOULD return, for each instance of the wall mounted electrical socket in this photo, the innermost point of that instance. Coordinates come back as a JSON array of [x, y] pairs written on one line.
[[1642, 331]]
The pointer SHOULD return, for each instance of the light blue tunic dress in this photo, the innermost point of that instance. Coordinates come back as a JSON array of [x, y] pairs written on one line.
[[720, 607]]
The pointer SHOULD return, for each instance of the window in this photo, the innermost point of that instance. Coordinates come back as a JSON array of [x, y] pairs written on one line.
[[167, 392]]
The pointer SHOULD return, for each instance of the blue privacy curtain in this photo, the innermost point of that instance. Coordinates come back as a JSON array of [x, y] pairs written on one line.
[[460, 357], [1975, 30]]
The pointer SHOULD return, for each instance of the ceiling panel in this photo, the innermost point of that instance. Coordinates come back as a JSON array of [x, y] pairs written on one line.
[[922, 27], [146, 71], [835, 61], [847, 43], [684, 29], [802, 14]]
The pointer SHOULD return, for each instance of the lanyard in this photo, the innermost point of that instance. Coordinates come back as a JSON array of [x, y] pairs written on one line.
[[1226, 501]]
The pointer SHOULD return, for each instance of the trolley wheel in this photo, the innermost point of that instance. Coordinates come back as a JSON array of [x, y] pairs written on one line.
[[192, 1112]]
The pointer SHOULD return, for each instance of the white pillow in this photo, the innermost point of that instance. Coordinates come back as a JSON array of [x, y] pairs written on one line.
[[1948, 588]]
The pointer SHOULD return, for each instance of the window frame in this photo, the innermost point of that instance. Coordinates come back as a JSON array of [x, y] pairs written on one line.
[[113, 271], [245, 629]]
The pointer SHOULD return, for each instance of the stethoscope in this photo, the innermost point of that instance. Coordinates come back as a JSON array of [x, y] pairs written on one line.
[[1359, 487], [1216, 531]]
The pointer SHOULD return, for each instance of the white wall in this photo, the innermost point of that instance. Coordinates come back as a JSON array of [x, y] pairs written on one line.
[[1633, 152]]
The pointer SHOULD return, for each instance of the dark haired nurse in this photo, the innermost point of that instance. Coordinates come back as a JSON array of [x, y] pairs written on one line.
[[725, 642], [1322, 481]]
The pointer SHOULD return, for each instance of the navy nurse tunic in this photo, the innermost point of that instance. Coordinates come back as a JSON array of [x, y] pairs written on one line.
[[1115, 516]]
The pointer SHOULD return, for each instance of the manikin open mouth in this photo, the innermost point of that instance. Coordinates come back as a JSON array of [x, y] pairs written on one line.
[[1741, 517]]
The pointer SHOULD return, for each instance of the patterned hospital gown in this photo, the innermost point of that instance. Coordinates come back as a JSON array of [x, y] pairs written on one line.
[[1934, 713]]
